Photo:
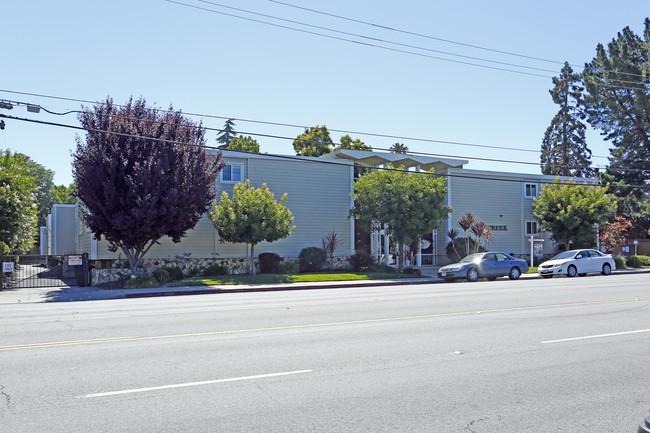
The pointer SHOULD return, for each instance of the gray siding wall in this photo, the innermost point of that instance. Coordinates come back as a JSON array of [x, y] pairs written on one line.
[[65, 228], [318, 197], [495, 202]]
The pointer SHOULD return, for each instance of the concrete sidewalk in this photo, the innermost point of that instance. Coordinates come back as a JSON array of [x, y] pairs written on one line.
[[70, 294]]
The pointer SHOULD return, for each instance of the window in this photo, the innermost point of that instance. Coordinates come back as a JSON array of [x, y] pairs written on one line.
[[532, 228], [232, 173], [490, 258], [530, 190], [502, 257]]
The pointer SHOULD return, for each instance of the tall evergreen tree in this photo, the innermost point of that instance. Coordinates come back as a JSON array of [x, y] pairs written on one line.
[[617, 102], [564, 147], [226, 135]]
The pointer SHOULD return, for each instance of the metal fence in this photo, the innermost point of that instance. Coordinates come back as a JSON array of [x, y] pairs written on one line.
[[44, 271]]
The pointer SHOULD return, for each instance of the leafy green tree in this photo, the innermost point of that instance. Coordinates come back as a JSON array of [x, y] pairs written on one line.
[[564, 147], [315, 141], [251, 216], [18, 204], [571, 212], [245, 144], [398, 148], [617, 102], [62, 194], [348, 143], [411, 204], [226, 135], [142, 174]]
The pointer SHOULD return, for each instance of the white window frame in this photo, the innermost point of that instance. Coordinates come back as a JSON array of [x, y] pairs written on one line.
[[532, 185], [536, 227], [241, 168]]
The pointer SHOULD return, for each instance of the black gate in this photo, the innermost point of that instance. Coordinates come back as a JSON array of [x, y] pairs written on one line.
[[44, 271]]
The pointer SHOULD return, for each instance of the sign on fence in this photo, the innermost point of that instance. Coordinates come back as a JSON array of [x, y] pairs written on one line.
[[7, 266], [75, 260]]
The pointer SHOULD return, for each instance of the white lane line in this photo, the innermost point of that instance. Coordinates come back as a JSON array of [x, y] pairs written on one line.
[[638, 331], [182, 385]]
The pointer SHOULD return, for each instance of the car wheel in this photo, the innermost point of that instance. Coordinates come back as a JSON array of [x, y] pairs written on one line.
[[547, 276], [472, 275], [607, 269], [514, 274], [582, 275], [571, 272]]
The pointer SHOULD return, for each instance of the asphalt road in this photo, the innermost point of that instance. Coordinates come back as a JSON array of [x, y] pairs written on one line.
[[561, 355]]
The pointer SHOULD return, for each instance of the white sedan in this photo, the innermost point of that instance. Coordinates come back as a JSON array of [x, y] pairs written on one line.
[[577, 262]]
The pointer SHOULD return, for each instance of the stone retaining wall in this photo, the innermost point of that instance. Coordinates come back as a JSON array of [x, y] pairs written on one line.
[[119, 269]]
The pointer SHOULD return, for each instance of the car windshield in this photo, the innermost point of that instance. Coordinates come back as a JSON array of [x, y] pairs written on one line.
[[471, 258], [564, 255]]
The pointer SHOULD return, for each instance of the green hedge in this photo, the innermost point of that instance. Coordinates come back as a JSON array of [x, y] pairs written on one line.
[[141, 281], [620, 262]]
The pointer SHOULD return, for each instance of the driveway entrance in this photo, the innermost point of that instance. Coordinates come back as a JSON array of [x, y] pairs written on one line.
[[32, 271]]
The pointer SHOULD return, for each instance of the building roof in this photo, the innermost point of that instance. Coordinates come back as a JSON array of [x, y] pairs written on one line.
[[374, 159]]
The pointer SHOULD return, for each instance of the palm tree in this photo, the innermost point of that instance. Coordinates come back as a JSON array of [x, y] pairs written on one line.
[[453, 234], [466, 222], [398, 148], [480, 230]]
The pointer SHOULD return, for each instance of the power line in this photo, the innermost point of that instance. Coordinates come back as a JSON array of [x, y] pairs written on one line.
[[356, 42], [378, 40], [342, 131], [478, 47], [393, 29], [113, 115], [374, 38], [298, 158], [366, 43], [376, 148]]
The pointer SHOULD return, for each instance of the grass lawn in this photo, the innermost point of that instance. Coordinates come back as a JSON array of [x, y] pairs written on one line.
[[287, 278]]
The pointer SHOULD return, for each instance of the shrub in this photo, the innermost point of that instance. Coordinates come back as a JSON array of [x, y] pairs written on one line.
[[270, 263], [289, 268], [161, 275], [361, 260], [459, 252], [645, 260], [382, 268], [620, 262], [214, 270], [312, 259], [633, 262], [411, 271], [175, 272], [141, 281], [330, 242]]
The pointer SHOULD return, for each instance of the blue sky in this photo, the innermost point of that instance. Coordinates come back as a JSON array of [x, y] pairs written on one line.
[[218, 65]]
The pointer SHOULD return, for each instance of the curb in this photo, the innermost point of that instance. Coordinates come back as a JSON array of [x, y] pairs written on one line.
[[332, 285], [278, 288]]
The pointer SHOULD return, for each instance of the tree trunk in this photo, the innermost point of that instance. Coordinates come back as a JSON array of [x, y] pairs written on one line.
[[400, 256], [251, 269]]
